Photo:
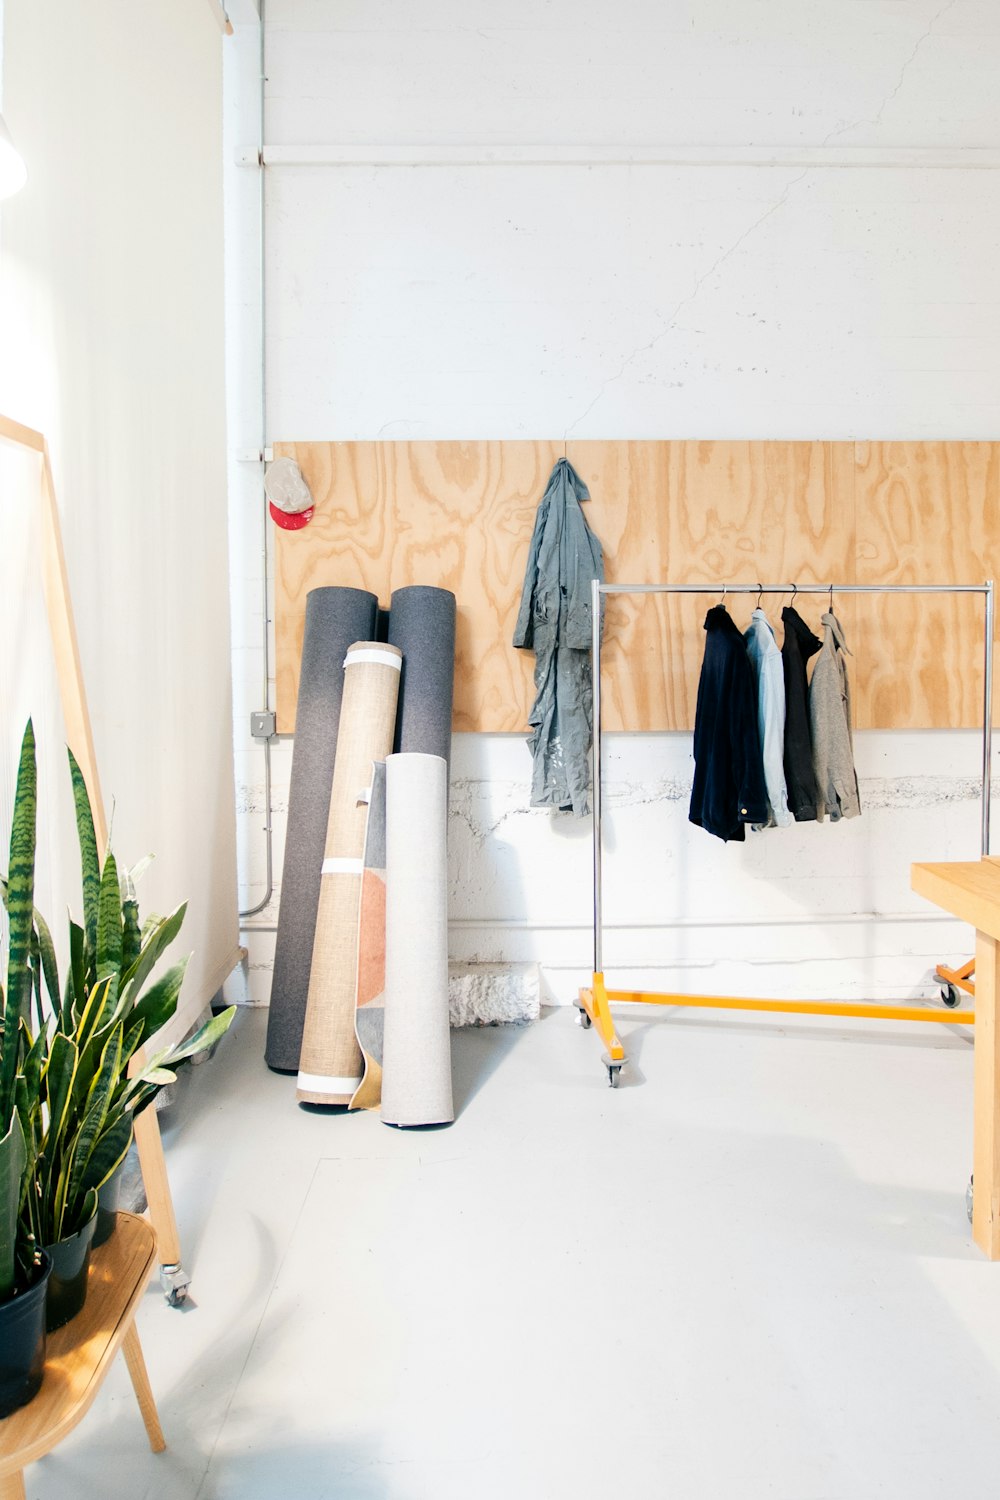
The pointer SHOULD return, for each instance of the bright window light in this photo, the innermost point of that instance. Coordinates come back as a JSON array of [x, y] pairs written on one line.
[[13, 173]]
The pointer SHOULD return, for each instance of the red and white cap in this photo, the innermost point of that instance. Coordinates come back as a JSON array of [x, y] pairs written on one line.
[[289, 501]]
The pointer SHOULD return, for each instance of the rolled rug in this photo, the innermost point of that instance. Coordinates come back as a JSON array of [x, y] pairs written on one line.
[[416, 1051], [335, 618], [422, 625], [369, 1012], [330, 1065]]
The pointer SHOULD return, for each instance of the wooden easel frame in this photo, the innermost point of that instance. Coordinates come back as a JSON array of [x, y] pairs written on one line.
[[80, 739]]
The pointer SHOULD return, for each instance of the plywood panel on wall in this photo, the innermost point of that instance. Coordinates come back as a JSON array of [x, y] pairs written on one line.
[[456, 515], [460, 515], [926, 513]]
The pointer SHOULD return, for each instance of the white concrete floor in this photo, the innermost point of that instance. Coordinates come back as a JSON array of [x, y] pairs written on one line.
[[746, 1273]]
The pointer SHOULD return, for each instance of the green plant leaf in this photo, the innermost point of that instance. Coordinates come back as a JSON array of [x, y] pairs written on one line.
[[159, 1076], [94, 1117], [131, 934], [206, 1036], [157, 935], [50, 967], [59, 1075], [159, 1004], [20, 910], [100, 1003], [13, 1159], [109, 920], [90, 864], [76, 980], [109, 1152]]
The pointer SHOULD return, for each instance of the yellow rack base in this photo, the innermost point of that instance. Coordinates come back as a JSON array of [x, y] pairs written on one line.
[[954, 980], [595, 1009]]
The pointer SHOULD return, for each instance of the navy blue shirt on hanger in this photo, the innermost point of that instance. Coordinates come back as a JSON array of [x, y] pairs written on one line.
[[729, 790]]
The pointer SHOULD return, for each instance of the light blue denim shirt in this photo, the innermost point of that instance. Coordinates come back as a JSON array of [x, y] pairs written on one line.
[[766, 658]]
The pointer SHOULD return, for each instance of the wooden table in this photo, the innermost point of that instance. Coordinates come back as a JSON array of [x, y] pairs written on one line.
[[79, 1355], [971, 891]]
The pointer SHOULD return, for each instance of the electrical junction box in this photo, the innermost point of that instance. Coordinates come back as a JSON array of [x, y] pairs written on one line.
[[262, 724]]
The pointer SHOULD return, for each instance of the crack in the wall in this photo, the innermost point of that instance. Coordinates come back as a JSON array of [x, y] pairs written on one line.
[[878, 793], [671, 324], [686, 301], [876, 118]]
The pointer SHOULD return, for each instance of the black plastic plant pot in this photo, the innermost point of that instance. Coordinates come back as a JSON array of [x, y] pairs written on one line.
[[68, 1282], [108, 1199], [22, 1343]]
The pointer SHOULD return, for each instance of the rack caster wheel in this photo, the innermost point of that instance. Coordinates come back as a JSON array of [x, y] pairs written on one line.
[[614, 1073], [968, 1200], [582, 1019], [950, 996], [175, 1282]]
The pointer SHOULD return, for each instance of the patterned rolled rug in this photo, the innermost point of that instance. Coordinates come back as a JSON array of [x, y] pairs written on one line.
[[416, 1053], [331, 1065], [335, 618], [422, 625], [370, 1003]]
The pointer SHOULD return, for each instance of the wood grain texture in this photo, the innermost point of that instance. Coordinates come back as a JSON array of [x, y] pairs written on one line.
[[926, 513], [79, 1354], [969, 889], [460, 515]]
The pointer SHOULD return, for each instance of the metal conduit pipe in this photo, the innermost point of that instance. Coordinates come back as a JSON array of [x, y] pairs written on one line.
[[266, 640]]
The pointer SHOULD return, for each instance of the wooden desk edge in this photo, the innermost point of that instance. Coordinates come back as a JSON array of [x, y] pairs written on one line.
[[957, 888], [11, 1463]]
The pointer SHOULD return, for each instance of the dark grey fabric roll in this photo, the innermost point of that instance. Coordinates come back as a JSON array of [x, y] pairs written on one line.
[[335, 619], [422, 625]]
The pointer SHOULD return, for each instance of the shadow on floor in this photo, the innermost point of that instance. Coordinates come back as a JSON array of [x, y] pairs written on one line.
[[476, 1054]]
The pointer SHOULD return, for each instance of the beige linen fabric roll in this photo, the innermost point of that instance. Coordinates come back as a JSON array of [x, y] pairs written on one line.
[[330, 1066], [416, 1054]]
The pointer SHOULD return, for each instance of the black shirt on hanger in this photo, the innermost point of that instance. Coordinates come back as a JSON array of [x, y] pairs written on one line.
[[729, 789], [797, 647]]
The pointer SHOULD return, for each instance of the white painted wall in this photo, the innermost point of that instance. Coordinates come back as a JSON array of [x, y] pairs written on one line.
[[111, 308], [502, 299]]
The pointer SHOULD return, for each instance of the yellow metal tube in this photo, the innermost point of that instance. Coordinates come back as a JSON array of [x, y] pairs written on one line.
[[797, 1007]]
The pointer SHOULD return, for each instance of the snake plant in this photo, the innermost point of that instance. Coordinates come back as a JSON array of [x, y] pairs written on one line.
[[19, 1056], [79, 1077]]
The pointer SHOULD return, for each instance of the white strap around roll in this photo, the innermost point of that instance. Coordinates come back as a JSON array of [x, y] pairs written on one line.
[[341, 865], [383, 658]]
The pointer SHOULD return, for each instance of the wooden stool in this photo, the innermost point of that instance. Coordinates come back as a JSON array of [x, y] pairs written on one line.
[[79, 1355]]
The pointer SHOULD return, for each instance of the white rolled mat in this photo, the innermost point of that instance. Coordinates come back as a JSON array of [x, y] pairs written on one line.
[[416, 1056]]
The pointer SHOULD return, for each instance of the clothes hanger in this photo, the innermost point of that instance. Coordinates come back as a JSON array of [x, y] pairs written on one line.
[[760, 590]]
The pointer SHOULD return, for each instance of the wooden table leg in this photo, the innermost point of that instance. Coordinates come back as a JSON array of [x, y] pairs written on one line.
[[132, 1350], [12, 1486], [986, 1142], [157, 1185]]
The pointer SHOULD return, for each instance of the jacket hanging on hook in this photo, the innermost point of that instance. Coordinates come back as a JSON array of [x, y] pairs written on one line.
[[555, 621]]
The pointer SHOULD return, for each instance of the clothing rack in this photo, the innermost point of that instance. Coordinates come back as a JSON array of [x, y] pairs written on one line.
[[595, 1002]]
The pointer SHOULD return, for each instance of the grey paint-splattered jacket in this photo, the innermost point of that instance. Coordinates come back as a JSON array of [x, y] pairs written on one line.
[[554, 620], [830, 720]]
